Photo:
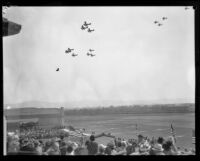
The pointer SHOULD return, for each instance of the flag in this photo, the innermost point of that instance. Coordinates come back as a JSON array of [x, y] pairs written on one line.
[[193, 137], [173, 132]]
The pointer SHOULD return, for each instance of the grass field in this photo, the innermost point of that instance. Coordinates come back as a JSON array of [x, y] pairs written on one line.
[[123, 125]]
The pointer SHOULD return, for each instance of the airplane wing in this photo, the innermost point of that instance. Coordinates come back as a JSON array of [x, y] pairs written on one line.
[[10, 28]]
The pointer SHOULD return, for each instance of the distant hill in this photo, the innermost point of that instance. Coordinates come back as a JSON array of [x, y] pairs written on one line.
[[92, 104], [36, 104], [134, 109], [123, 109]]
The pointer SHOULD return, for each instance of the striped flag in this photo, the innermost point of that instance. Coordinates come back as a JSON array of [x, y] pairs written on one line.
[[173, 132], [193, 137]]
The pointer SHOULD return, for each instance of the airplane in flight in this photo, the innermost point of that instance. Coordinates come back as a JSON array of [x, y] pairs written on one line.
[[155, 22], [57, 69], [88, 54], [92, 55], [89, 30], [86, 24], [91, 50], [186, 8], [164, 18], [159, 24], [74, 55], [83, 28], [68, 50]]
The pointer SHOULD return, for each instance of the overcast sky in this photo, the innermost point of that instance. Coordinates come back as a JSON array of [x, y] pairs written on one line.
[[136, 60]]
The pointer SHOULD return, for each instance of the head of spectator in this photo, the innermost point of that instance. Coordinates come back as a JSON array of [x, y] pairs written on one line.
[[123, 144], [119, 144], [167, 147], [62, 137], [160, 140], [69, 150], [92, 138]]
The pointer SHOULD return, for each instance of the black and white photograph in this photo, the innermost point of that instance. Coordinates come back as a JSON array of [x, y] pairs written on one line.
[[98, 80]]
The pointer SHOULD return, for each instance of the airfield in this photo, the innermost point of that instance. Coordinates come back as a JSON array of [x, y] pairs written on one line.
[[123, 125]]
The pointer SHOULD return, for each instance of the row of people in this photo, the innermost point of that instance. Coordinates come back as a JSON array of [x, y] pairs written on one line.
[[63, 144]]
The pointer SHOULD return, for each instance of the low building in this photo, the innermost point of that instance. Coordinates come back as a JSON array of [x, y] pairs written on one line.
[[45, 117]]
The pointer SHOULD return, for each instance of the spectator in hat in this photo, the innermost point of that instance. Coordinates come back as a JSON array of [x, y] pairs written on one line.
[[167, 146], [92, 146], [63, 148], [160, 140], [157, 149], [131, 147], [69, 150], [110, 149], [101, 149], [38, 147], [54, 148]]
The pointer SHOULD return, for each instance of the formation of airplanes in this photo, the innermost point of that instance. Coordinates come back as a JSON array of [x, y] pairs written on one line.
[[90, 53], [86, 26], [158, 23]]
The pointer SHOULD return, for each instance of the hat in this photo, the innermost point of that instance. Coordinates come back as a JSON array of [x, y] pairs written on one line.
[[157, 148], [123, 143], [140, 136], [110, 144], [102, 146]]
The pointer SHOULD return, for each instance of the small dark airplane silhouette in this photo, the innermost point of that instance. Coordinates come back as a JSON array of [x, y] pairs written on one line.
[[68, 50], [186, 8], [164, 18], [88, 54], [91, 50], [83, 27], [155, 21], [74, 54], [57, 69], [89, 30], [159, 24], [92, 55], [86, 24]]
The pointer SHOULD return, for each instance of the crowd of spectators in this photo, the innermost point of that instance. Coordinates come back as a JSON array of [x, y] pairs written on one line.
[[40, 141]]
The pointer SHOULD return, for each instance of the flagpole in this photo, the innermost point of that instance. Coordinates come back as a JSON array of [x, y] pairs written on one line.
[[136, 128], [173, 133]]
